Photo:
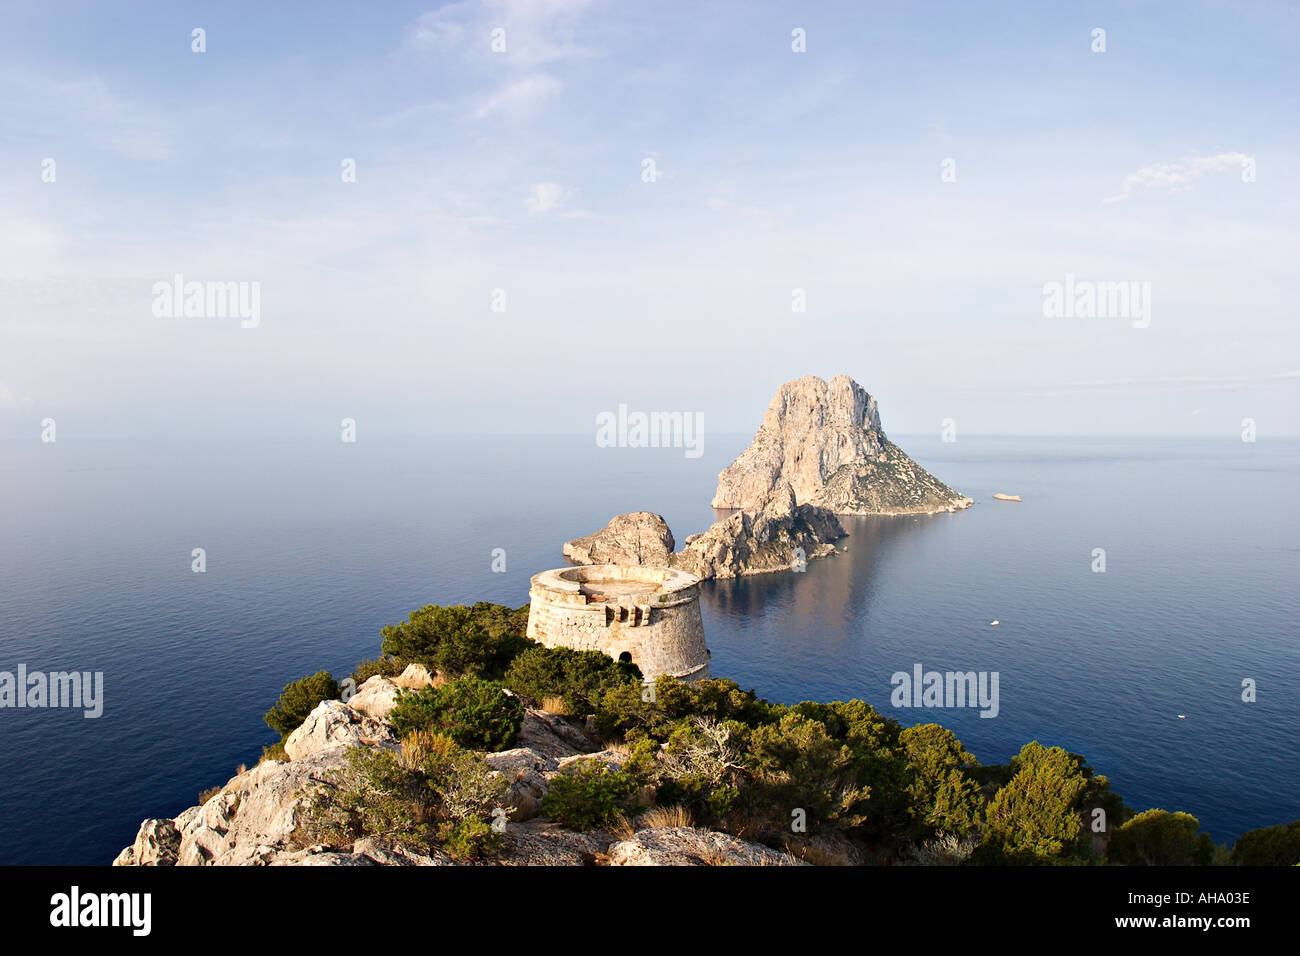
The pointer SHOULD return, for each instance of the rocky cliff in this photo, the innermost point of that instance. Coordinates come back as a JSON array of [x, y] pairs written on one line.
[[825, 440], [776, 535], [256, 818]]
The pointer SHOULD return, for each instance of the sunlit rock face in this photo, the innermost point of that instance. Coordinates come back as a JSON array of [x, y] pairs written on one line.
[[824, 439]]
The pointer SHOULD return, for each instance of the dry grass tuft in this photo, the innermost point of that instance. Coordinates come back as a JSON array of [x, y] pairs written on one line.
[[622, 827], [818, 855], [790, 860], [945, 849], [715, 856], [557, 706], [674, 816]]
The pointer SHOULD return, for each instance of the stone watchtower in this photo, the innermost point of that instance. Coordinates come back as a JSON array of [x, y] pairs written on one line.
[[647, 615]]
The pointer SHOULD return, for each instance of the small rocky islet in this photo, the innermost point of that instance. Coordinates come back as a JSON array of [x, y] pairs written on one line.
[[819, 453]]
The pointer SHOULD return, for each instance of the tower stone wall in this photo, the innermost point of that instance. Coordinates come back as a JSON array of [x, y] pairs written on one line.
[[649, 614]]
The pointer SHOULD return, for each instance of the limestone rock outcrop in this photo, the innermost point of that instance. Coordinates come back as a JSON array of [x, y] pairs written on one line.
[[525, 772], [249, 822], [254, 820], [638, 538], [690, 846], [364, 852], [157, 844], [776, 536], [333, 723], [825, 440], [552, 735], [613, 759], [543, 843], [414, 677], [376, 697]]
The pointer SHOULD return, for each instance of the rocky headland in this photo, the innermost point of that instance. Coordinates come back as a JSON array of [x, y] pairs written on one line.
[[257, 817], [468, 744], [825, 440]]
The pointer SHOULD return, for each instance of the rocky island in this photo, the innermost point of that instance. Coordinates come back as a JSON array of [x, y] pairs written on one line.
[[638, 538], [777, 535], [824, 439]]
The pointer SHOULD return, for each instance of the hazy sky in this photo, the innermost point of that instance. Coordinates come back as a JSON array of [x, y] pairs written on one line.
[[523, 170]]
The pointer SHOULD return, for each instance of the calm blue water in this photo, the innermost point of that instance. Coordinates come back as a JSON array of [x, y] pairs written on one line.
[[312, 547]]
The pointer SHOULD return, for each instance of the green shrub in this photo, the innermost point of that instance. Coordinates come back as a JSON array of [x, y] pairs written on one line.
[[478, 641], [383, 666], [642, 760], [430, 790], [375, 795], [581, 678], [299, 699], [587, 794], [469, 839], [1269, 846], [1097, 795], [723, 700], [879, 762], [474, 713], [466, 787], [701, 769], [1159, 838], [656, 712], [942, 796], [1035, 818], [796, 764]]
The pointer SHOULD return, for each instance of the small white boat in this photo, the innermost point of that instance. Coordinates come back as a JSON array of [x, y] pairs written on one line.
[[1182, 716], [994, 623], [1002, 497]]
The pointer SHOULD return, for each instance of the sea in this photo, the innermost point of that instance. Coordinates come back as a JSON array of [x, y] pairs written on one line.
[[1144, 589]]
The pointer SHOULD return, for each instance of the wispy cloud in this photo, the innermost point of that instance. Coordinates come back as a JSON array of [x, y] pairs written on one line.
[[532, 32], [1176, 177], [442, 28], [540, 31], [522, 97]]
